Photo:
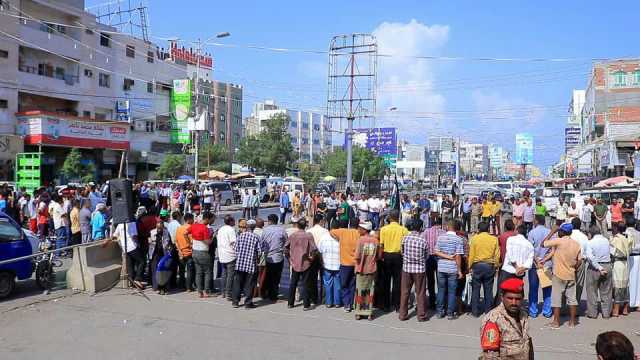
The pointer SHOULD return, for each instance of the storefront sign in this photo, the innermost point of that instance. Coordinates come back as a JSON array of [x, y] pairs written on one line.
[[28, 171], [39, 128], [180, 111]]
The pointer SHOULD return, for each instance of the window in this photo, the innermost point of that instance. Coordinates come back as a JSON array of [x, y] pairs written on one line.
[[8, 232], [316, 127], [149, 126], [88, 73], [105, 40], [294, 124], [150, 87], [636, 77], [305, 125], [4, 104], [86, 114], [131, 51], [222, 118], [221, 135], [128, 84], [305, 141], [104, 80], [150, 56], [294, 140], [619, 79], [316, 142], [4, 54]]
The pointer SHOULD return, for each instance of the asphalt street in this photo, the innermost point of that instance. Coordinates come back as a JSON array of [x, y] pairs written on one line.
[[122, 324]]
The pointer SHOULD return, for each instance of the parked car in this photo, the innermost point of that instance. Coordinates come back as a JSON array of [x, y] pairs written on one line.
[[225, 190], [14, 243]]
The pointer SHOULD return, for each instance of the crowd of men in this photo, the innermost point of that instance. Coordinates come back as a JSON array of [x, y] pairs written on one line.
[[362, 253]]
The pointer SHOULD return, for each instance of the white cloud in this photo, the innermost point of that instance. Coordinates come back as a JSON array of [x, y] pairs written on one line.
[[412, 76], [500, 117]]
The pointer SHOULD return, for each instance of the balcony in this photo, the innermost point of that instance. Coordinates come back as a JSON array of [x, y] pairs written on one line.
[[58, 76], [52, 40]]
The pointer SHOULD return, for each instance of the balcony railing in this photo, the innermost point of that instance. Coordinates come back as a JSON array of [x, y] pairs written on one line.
[[50, 72]]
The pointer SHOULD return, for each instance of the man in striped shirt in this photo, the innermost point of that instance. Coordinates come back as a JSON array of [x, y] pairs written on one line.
[[431, 237], [249, 248], [449, 250]]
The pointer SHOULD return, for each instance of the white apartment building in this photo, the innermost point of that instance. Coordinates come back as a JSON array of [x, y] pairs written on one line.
[[68, 81], [474, 160], [310, 132]]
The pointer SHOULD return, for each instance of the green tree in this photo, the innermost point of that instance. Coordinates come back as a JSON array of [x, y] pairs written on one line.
[[214, 156], [335, 164], [73, 169], [310, 173], [271, 149], [172, 166]]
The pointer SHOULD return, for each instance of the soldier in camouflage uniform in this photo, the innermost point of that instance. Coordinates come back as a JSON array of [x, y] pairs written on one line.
[[504, 333]]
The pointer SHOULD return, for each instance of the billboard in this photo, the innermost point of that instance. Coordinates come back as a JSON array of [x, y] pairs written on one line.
[[571, 138], [180, 110], [524, 149], [46, 129], [381, 141]]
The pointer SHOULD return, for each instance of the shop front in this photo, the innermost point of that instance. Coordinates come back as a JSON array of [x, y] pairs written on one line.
[[54, 135]]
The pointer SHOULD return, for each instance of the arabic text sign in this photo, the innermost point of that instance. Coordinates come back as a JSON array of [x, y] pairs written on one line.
[[381, 141], [571, 137], [180, 110], [44, 129]]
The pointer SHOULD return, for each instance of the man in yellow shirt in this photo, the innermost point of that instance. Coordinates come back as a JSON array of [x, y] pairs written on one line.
[[484, 259], [496, 209], [390, 241]]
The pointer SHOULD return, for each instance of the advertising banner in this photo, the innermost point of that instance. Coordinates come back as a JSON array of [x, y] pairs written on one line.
[[28, 171], [571, 138], [180, 110], [51, 130], [381, 141], [524, 149]]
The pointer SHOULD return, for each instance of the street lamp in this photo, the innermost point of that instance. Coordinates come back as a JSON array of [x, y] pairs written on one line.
[[350, 120], [197, 115]]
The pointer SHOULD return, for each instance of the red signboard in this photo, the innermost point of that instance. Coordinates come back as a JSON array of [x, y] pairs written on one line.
[[190, 57], [40, 128]]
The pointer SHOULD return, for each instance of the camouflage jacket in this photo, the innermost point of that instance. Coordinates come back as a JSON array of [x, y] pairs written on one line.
[[502, 338]]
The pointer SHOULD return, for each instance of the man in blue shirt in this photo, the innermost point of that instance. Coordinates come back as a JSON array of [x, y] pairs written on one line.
[[466, 214], [541, 260], [424, 207], [284, 204], [449, 249]]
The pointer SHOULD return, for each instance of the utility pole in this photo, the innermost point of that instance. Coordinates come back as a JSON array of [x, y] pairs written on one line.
[[458, 163], [196, 115], [350, 120]]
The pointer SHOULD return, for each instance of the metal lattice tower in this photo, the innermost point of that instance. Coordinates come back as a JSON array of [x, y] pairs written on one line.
[[352, 83], [352, 77], [124, 16]]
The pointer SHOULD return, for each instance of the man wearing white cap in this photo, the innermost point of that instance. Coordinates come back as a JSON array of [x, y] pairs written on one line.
[[366, 258]]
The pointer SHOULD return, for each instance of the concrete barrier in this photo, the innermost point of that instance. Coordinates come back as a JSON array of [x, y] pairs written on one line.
[[95, 268]]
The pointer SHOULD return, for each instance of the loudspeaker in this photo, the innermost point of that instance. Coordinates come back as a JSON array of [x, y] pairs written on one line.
[[121, 195]]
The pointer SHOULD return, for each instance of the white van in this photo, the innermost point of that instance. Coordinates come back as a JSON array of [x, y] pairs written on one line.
[[258, 183], [225, 190]]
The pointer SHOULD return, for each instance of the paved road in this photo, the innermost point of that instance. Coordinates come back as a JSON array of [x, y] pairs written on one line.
[[121, 324]]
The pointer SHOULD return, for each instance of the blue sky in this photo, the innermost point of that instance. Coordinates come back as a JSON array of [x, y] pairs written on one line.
[[479, 101]]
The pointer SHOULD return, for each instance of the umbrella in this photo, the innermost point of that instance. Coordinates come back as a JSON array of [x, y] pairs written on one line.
[[329, 178], [212, 174], [185, 177], [618, 180]]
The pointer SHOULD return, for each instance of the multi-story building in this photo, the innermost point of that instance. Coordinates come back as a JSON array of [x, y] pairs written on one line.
[[67, 80], [310, 132], [412, 160], [440, 158], [610, 119], [498, 160], [474, 160]]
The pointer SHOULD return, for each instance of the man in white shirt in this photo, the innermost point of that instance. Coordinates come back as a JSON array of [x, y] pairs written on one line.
[[375, 207], [227, 254], [59, 225], [363, 208], [585, 215], [583, 240], [172, 225], [318, 231], [518, 257], [561, 212], [128, 241], [598, 275]]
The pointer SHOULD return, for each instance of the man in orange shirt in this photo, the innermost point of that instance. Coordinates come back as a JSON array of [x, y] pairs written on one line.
[[348, 239], [185, 252]]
